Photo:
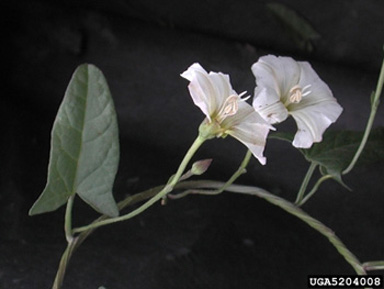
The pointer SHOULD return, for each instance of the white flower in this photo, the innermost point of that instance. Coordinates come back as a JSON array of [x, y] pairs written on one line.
[[287, 87], [226, 112]]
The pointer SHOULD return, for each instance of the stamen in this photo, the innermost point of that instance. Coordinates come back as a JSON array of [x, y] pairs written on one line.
[[245, 98], [305, 90], [243, 93], [297, 93]]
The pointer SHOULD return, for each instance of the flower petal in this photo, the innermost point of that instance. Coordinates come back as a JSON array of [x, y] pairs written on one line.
[[222, 86], [253, 136], [308, 75], [201, 89], [267, 103], [313, 120], [315, 113], [208, 91], [250, 128], [277, 73], [319, 90]]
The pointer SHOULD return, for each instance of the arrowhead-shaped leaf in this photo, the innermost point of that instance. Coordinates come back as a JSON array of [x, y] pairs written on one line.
[[84, 146], [338, 148]]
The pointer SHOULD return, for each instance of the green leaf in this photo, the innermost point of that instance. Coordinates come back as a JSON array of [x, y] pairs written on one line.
[[338, 148], [84, 146]]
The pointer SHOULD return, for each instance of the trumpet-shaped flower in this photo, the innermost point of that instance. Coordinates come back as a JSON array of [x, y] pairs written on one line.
[[226, 112], [287, 87]]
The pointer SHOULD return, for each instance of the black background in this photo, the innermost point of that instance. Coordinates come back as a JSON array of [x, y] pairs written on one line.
[[226, 241]]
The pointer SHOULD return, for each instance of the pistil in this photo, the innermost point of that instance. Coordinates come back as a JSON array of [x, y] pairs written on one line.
[[230, 107]]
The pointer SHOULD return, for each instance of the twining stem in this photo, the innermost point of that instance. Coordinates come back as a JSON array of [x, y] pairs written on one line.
[[153, 195], [71, 242], [218, 187], [168, 188], [373, 265], [131, 200], [64, 264], [293, 210], [78, 240], [374, 106], [304, 184], [315, 224]]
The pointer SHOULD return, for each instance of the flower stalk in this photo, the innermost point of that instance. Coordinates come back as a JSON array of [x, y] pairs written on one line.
[[304, 184], [196, 190], [314, 189]]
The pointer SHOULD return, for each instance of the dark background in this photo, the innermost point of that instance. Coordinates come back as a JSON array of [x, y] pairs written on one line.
[[225, 241]]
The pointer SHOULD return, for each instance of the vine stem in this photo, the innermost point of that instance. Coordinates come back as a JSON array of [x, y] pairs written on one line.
[[57, 284], [166, 189], [78, 240], [291, 209], [374, 105], [74, 243], [374, 265], [153, 195], [71, 241]]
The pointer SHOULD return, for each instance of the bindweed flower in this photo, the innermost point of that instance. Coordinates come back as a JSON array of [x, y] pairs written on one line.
[[287, 87], [226, 112]]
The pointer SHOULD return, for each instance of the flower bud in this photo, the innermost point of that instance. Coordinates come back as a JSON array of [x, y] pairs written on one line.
[[200, 167]]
